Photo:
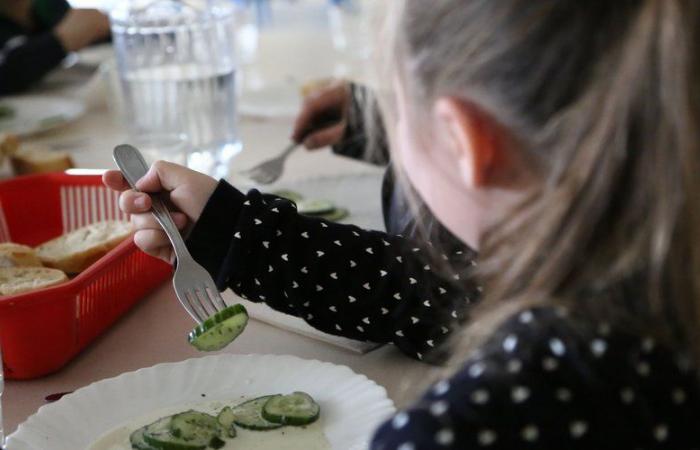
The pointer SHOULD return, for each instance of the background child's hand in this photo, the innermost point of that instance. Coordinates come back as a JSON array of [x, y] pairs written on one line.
[[81, 27], [189, 192], [323, 117]]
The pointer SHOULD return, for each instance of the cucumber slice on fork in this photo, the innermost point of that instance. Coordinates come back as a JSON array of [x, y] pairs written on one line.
[[220, 329]]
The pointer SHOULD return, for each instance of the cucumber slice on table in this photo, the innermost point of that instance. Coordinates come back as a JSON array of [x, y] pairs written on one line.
[[297, 409], [159, 436], [220, 329], [195, 426], [249, 415], [226, 419], [315, 207]]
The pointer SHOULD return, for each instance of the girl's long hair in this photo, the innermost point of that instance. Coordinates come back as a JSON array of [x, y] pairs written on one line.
[[602, 99]]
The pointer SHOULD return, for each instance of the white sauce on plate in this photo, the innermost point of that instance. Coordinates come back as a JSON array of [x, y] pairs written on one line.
[[288, 438]]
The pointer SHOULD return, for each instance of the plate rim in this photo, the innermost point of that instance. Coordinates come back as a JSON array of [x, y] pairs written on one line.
[[80, 111], [29, 423]]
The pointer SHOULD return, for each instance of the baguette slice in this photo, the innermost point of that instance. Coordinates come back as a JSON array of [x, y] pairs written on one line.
[[17, 255], [16, 280], [8, 146], [29, 160], [75, 251]]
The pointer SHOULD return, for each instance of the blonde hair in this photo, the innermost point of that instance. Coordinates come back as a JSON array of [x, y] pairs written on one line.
[[601, 97]]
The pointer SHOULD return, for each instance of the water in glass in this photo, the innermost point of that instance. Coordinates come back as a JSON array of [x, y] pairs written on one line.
[[177, 67]]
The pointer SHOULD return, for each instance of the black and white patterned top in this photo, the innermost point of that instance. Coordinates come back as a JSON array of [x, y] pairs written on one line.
[[544, 380]]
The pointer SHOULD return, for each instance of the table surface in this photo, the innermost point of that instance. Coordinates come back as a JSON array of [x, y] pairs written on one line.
[[158, 324]]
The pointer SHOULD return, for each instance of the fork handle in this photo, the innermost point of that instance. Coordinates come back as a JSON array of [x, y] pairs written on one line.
[[289, 149], [133, 166]]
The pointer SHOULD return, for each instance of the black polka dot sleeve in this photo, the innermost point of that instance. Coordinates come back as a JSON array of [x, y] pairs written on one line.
[[542, 383], [343, 280]]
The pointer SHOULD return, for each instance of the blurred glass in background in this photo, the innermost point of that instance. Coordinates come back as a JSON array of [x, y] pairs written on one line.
[[185, 69], [177, 68]]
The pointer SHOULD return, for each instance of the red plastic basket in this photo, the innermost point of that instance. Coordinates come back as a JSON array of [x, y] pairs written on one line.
[[41, 331]]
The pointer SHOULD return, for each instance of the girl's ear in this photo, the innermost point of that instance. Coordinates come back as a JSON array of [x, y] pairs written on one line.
[[472, 137]]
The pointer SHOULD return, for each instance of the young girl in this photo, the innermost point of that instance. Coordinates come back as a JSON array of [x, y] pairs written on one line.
[[559, 138]]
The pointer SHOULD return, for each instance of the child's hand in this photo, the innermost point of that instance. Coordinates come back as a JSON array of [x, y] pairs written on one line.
[[323, 117], [81, 27], [189, 192]]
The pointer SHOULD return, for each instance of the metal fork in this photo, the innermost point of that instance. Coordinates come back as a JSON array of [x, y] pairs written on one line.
[[269, 171], [193, 285]]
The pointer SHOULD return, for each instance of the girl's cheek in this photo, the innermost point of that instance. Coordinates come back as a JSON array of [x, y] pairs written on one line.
[[407, 154]]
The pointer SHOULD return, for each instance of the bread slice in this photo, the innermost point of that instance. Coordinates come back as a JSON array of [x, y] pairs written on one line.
[[75, 251], [16, 280], [17, 255], [29, 160]]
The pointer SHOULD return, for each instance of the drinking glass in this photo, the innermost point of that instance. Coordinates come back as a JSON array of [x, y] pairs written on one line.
[[177, 70]]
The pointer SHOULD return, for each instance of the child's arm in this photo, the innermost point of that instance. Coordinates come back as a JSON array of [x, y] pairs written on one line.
[[356, 140], [25, 59], [341, 279], [349, 136]]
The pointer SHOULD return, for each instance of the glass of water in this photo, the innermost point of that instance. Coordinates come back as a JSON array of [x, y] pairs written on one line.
[[177, 69]]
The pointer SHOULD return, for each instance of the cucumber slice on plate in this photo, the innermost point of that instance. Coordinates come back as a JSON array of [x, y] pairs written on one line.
[[195, 426], [315, 207], [138, 442], [289, 195], [52, 120], [297, 409], [220, 329], [249, 415], [216, 443], [159, 436], [226, 419]]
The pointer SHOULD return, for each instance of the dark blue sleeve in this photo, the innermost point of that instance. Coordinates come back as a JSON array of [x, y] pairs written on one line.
[[355, 143], [48, 13], [24, 60], [341, 279]]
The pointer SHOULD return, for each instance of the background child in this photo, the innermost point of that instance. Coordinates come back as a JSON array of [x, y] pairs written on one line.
[[35, 36], [559, 138]]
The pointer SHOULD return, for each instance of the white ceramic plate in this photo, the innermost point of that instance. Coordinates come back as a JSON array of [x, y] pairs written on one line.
[[37, 113], [352, 406], [95, 55]]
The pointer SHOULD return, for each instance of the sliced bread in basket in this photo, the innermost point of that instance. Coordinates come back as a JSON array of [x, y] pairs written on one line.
[[16, 280], [17, 255], [29, 160], [75, 251]]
